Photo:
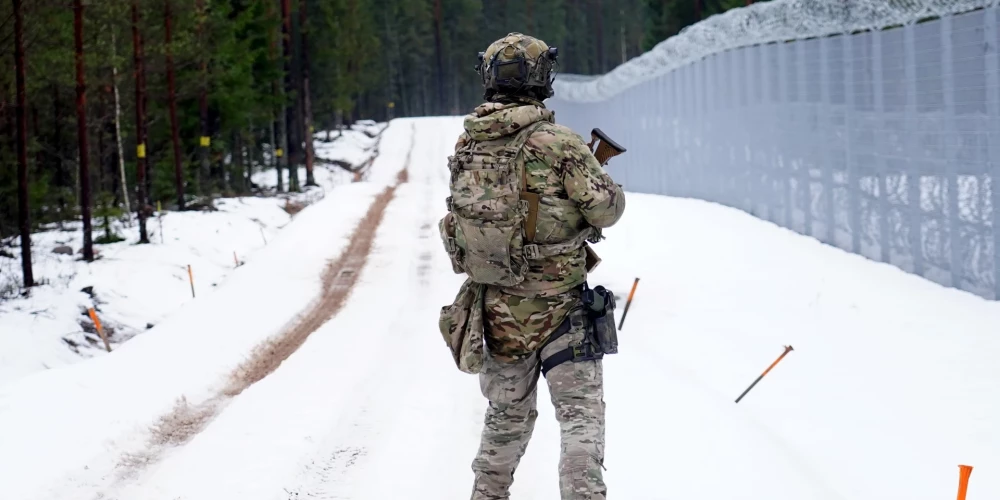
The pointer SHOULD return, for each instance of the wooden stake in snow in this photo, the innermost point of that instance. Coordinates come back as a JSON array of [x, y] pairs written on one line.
[[964, 472], [788, 349], [100, 329], [628, 303], [235, 259], [191, 279]]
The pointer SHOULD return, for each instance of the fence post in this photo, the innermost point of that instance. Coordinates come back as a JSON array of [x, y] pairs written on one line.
[[826, 118], [993, 113], [881, 167], [853, 187], [766, 171], [781, 127], [752, 138], [662, 127], [798, 124], [913, 171], [703, 91], [951, 160], [690, 132]]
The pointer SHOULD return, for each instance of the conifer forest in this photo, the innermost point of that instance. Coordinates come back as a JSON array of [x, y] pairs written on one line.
[[110, 107]]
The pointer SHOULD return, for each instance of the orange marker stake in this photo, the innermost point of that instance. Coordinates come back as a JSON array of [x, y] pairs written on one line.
[[100, 329], [964, 471], [191, 279], [788, 349], [628, 303]]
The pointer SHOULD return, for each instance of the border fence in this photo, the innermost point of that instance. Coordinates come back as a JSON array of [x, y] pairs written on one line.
[[870, 125]]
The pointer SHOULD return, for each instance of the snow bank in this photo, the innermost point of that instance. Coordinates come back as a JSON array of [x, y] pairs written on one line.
[[53, 423], [135, 287], [132, 286], [892, 384]]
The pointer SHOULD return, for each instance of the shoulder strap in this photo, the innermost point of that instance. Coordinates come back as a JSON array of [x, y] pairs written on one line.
[[530, 198]]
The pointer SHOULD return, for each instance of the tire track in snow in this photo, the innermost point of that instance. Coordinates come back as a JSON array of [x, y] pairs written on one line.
[[186, 420], [338, 469]]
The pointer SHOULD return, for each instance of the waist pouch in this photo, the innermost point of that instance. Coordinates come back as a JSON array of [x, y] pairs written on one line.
[[461, 325], [601, 334]]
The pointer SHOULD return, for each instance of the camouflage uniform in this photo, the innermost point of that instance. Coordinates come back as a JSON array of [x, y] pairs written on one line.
[[575, 193], [574, 196]]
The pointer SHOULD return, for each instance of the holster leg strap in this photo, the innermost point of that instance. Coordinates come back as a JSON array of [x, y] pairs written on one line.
[[575, 353]]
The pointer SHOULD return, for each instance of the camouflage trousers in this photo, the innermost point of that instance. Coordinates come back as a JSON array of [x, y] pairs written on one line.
[[577, 391]]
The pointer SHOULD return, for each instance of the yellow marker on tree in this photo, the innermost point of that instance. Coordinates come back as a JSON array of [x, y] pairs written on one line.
[[279, 152], [140, 150], [206, 141]]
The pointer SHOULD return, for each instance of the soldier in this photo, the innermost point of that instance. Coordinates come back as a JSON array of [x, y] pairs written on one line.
[[527, 195]]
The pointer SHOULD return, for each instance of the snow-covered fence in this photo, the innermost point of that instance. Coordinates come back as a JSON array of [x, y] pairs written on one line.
[[880, 137]]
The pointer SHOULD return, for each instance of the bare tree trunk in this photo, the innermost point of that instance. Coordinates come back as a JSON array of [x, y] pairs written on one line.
[[287, 121], [175, 134], [251, 146], [118, 120], [440, 105], [81, 132], [205, 141], [236, 172], [140, 126], [277, 135], [306, 96], [23, 214]]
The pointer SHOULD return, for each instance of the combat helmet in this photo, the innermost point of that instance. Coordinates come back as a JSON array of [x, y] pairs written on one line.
[[518, 64]]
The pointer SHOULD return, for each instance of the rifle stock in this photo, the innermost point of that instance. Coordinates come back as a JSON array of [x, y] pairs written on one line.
[[606, 148]]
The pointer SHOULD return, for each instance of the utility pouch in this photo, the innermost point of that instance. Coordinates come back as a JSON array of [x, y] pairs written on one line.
[[600, 305], [461, 326]]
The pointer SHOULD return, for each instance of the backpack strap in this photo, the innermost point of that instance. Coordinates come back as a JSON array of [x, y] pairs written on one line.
[[530, 198]]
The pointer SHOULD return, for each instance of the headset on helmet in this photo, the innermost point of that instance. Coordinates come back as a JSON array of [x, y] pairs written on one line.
[[516, 64]]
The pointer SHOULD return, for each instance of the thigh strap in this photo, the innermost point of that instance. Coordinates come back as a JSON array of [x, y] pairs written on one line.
[[582, 352]]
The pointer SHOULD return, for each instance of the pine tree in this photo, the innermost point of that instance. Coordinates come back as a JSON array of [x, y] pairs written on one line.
[[23, 214], [81, 116]]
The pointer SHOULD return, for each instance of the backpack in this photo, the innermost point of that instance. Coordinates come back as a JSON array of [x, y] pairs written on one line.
[[490, 234]]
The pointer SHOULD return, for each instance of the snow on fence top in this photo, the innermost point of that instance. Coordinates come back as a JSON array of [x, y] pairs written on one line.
[[766, 22]]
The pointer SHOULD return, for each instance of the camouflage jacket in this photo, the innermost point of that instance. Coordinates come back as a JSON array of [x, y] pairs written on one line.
[[574, 193]]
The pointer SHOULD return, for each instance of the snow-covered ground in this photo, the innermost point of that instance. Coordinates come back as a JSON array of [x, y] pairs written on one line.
[[893, 381], [135, 287]]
